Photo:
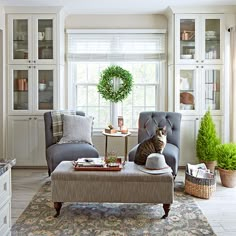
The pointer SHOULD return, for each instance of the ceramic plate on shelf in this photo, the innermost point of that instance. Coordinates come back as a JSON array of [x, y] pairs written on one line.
[[186, 56], [209, 37]]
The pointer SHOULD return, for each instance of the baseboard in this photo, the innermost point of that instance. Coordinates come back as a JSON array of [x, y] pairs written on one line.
[[30, 167]]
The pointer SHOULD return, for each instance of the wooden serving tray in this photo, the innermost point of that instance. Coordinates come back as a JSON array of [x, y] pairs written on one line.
[[106, 168]]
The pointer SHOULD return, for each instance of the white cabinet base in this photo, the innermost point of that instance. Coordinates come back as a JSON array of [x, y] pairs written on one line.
[[26, 140], [5, 203]]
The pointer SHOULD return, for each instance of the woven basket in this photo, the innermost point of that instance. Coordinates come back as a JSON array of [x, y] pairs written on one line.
[[199, 187]]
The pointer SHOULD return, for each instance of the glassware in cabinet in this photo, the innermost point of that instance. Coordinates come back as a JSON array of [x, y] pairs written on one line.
[[45, 89], [45, 39], [20, 39], [20, 87], [187, 39], [187, 92], [212, 39]]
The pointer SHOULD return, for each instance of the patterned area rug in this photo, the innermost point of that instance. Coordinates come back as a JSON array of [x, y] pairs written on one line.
[[185, 218]]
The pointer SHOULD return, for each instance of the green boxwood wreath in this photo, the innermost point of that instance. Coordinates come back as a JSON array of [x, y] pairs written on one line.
[[105, 86]]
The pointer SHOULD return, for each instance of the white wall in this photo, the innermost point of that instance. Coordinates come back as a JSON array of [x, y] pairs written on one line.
[[115, 22], [2, 18], [2, 83]]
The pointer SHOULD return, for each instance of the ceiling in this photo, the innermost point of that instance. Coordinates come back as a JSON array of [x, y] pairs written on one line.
[[116, 6]]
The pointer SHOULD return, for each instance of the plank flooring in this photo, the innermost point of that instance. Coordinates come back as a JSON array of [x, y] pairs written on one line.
[[220, 209]]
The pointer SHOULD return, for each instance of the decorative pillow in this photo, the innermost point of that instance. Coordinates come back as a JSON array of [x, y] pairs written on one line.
[[77, 129]]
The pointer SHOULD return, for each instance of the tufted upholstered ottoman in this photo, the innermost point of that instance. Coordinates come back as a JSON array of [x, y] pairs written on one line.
[[129, 185]]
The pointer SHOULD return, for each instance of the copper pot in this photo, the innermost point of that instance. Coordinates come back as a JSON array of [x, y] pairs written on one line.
[[20, 84]]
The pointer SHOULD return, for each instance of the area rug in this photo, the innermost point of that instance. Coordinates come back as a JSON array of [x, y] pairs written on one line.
[[185, 218]]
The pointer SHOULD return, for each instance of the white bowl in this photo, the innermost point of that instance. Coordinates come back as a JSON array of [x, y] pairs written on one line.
[[42, 87], [187, 107], [186, 56]]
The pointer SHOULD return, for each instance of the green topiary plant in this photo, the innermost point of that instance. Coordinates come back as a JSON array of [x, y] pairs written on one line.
[[207, 139], [226, 156]]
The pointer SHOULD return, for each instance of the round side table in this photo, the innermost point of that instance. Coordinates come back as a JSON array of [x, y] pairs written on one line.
[[115, 135]]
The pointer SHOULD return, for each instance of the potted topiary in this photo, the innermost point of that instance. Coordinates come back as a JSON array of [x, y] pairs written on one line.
[[207, 140], [226, 160]]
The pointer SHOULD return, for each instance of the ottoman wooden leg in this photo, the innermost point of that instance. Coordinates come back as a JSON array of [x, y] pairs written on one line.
[[57, 206], [166, 208]]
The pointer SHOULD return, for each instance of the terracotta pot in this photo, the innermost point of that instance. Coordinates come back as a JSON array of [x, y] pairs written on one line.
[[228, 177], [210, 165]]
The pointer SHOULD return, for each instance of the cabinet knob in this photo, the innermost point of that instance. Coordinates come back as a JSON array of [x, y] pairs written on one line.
[[202, 60], [29, 66], [197, 61], [202, 66], [197, 118], [29, 61], [35, 118], [34, 66], [197, 66], [34, 61], [30, 118]]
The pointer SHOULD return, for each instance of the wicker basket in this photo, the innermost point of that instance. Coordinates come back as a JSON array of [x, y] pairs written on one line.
[[199, 187]]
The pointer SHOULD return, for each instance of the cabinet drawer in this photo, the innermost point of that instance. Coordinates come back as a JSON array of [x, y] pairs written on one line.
[[5, 219], [5, 188]]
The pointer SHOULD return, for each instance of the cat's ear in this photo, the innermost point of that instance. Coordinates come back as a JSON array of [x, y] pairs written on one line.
[[164, 130]]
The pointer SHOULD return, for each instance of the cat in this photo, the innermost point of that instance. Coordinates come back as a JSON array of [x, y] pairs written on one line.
[[155, 144]]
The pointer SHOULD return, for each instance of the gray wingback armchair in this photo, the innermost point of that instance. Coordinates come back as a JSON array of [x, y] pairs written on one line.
[[148, 122], [55, 153]]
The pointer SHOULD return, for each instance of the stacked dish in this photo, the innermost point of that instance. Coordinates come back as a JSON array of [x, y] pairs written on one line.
[[186, 56], [210, 35]]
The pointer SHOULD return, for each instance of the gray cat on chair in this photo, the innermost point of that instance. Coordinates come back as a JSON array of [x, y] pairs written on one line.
[[148, 123]]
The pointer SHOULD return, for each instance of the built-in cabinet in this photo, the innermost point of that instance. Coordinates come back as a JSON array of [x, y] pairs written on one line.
[[31, 89], [32, 39], [34, 50], [26, 140], [198, 76], [199, 39], [5, 202], [199, 88]]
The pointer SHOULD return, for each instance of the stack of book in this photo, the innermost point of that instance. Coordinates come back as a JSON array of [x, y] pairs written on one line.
[[90, 162]]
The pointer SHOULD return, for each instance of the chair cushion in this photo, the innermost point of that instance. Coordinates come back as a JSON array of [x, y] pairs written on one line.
[[68, 152]]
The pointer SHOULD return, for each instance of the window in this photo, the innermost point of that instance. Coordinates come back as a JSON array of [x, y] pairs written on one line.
[[141, 54]]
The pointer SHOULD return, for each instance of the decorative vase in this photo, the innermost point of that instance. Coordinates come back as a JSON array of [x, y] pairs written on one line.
[[210, 165], [228, 178]]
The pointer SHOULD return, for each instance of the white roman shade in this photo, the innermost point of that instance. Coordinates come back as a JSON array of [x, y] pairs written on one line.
[[115, 46]]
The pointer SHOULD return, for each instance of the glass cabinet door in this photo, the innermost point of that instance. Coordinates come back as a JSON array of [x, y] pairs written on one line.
[[187, 95], [32, 39], [21, 90], [212, 89], [187, 39], [19, 40], [45, 81], [212, 39], [45, 39]]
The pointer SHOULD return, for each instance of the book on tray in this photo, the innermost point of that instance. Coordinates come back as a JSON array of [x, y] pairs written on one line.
[[90, 162]]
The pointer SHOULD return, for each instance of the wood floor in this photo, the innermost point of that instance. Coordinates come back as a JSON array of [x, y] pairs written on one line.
[[220, 210]]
